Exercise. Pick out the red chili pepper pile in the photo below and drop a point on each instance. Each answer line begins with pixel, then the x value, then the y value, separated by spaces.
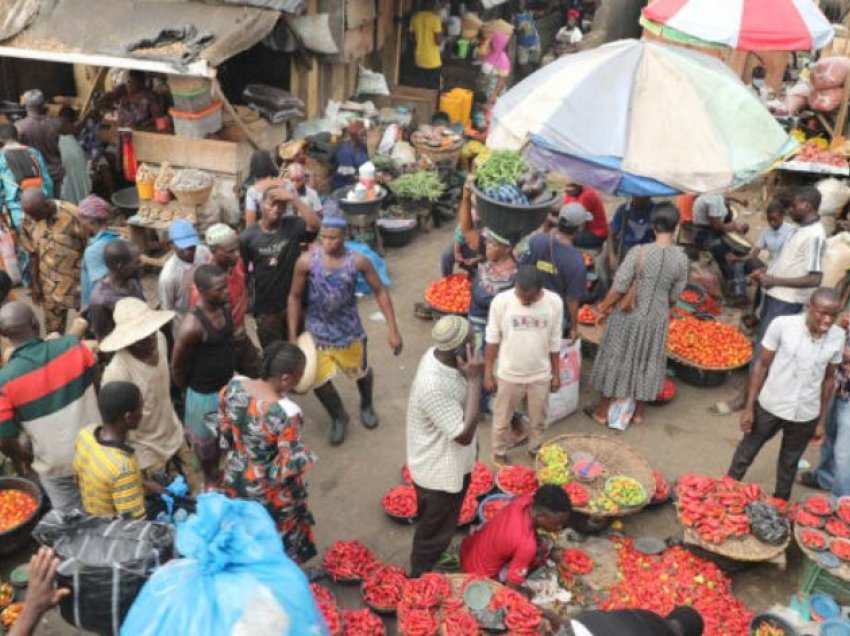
pixel 837 528
pixel 451 294
pixel 459 623
pixel 715 508
pixel 574 561
pixel 493 506
pixel 522 616
pixel 414 621
pixel 819 505
pixel 16 506
pixel 349 560
pixel 840 548
pixel 812 539
pixel 517 480
pixel 708 343
pixel 677 577
pixel 579 497
pixel 805 518
pixel 469 509
pixel 426 592
pixel 400 501
pixel 327 606
pixel 587 315
pixel 362 622
pixel 662 488
pixel 481 481
pixel 382 588
pixel 668 391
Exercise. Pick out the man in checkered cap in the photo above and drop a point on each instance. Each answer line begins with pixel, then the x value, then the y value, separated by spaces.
pixel 442 441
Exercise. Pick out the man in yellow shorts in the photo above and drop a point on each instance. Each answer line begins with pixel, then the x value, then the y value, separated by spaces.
pixel 328 276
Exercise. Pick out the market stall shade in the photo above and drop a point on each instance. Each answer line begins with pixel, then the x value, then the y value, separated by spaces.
pixel 641 118
pixel 749 25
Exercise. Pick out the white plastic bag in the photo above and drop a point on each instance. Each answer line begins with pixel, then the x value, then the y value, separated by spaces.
pixel 565 401
pixel 836 259
pixel 371 83
pixel 620 413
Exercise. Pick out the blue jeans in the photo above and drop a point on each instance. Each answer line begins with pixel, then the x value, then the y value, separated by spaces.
pixel 833 471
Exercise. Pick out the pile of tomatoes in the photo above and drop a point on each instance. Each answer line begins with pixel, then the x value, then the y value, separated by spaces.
pixel 818 512
pixel 482 480
pixel 450 295
pixel 587 315
pixel 677 577
pixel 575 562
pixel 708 343
pixel 716 508
pixel 517 480
pixel 469 509
pixel 579 497
pixel 491 508
pixel 16 506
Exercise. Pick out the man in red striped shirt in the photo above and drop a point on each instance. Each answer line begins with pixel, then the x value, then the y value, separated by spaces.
pixel 46 389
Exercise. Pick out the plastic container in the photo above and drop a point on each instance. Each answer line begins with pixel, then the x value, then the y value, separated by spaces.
pixel 197 125
pixel 513 221
pixel 145 189
pixel 817 579
pixel 775 620
pixel 18 536
pixel 823 607
pixel 462 48
pixel 835 627
pixel 194 101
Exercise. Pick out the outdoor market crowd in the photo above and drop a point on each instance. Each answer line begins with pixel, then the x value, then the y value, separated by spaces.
pixel 136 391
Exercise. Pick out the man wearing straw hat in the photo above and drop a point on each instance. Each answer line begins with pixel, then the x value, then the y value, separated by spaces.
pixel 442 442
pixel 141 357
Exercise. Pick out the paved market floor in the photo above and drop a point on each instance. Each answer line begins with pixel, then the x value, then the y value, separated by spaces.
pixel 347 482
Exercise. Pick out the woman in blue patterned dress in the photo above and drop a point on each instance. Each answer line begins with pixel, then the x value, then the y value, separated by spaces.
pixel 265 457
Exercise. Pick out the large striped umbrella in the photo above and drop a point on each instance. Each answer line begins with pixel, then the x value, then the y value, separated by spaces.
pixel 641 118
pixel 749 25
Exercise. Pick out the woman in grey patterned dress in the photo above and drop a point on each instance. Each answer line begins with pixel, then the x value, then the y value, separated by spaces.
pixel 632 357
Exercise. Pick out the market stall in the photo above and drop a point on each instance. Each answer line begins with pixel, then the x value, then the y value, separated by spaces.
pixel 822 530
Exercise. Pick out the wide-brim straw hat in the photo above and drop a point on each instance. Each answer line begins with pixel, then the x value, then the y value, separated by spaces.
pixel 306 343
pixel 134 321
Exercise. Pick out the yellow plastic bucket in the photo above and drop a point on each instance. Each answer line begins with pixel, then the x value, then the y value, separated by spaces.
pixel 145 189
pixel 457 104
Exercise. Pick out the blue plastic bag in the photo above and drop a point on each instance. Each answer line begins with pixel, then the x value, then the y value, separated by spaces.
pixel 235 580
pixel 378 262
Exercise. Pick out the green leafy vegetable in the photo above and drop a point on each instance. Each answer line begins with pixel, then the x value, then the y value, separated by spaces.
pixel 418 185
pixel 502 167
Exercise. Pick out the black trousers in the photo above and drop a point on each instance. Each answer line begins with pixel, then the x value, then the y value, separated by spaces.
pixel 795 438
pixel 438 516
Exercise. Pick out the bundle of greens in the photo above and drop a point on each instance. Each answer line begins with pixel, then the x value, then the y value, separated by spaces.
pixel 502 167
pixel 417 186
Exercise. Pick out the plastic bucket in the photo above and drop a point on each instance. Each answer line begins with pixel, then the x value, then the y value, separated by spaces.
pixel 145 189
pixel 462 48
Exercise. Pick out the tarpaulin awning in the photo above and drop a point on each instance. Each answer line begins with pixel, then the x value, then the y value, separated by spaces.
pixel 188 38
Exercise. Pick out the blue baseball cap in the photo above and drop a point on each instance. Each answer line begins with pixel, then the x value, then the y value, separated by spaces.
pixel 183 234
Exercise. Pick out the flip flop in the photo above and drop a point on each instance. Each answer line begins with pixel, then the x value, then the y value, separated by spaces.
pixel 422 311
pixel 591 413
pixel 720 409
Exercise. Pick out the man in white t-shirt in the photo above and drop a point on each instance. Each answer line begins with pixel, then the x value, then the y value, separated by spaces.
pixel 524 331
pixel 798 270
pixel 790 387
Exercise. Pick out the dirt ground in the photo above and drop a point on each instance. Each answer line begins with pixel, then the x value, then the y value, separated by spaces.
pixel 347 482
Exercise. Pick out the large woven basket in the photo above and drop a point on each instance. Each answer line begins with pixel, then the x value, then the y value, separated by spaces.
pixel 193 197
pixel 842 571
pixel 449 155
pixel 747 549
pixel 617 458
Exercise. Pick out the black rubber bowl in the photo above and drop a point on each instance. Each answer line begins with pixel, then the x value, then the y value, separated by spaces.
pixel 514 221
pixel 358 208
pixel 18 536
pixel 397 234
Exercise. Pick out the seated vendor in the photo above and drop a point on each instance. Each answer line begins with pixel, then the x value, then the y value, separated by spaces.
pixel 137 107
pixel 712 220
pixel 350 155
pixel 507 548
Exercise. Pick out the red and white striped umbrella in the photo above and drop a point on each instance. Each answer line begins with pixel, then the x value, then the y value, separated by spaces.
pixel 750 25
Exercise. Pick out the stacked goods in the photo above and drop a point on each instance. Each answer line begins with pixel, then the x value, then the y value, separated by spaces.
pixel 677 577
pixel 708 344
pixel 827 78
pixel 721 509
pixel 813 151
pixel 450 295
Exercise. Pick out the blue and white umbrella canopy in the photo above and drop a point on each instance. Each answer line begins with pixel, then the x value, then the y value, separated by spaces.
pixel 641 118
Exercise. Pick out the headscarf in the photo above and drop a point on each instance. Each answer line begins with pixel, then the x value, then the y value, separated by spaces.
pixel 450 332
pixel 497 58
pixel 335 222
pixel 93 207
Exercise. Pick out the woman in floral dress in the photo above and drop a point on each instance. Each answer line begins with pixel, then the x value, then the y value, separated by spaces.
pixel 266 458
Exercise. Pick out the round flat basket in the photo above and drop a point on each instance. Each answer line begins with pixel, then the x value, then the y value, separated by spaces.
pixel 457 582
pixel 617 457
pixel 448 155
pixel 842 571
pixel 193 197
pixel 747 549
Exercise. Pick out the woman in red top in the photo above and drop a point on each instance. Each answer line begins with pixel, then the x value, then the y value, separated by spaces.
pixel 594 235
pixel 506 546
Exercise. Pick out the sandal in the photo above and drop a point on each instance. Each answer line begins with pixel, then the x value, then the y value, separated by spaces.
pixel 591 413
pixel 422 311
